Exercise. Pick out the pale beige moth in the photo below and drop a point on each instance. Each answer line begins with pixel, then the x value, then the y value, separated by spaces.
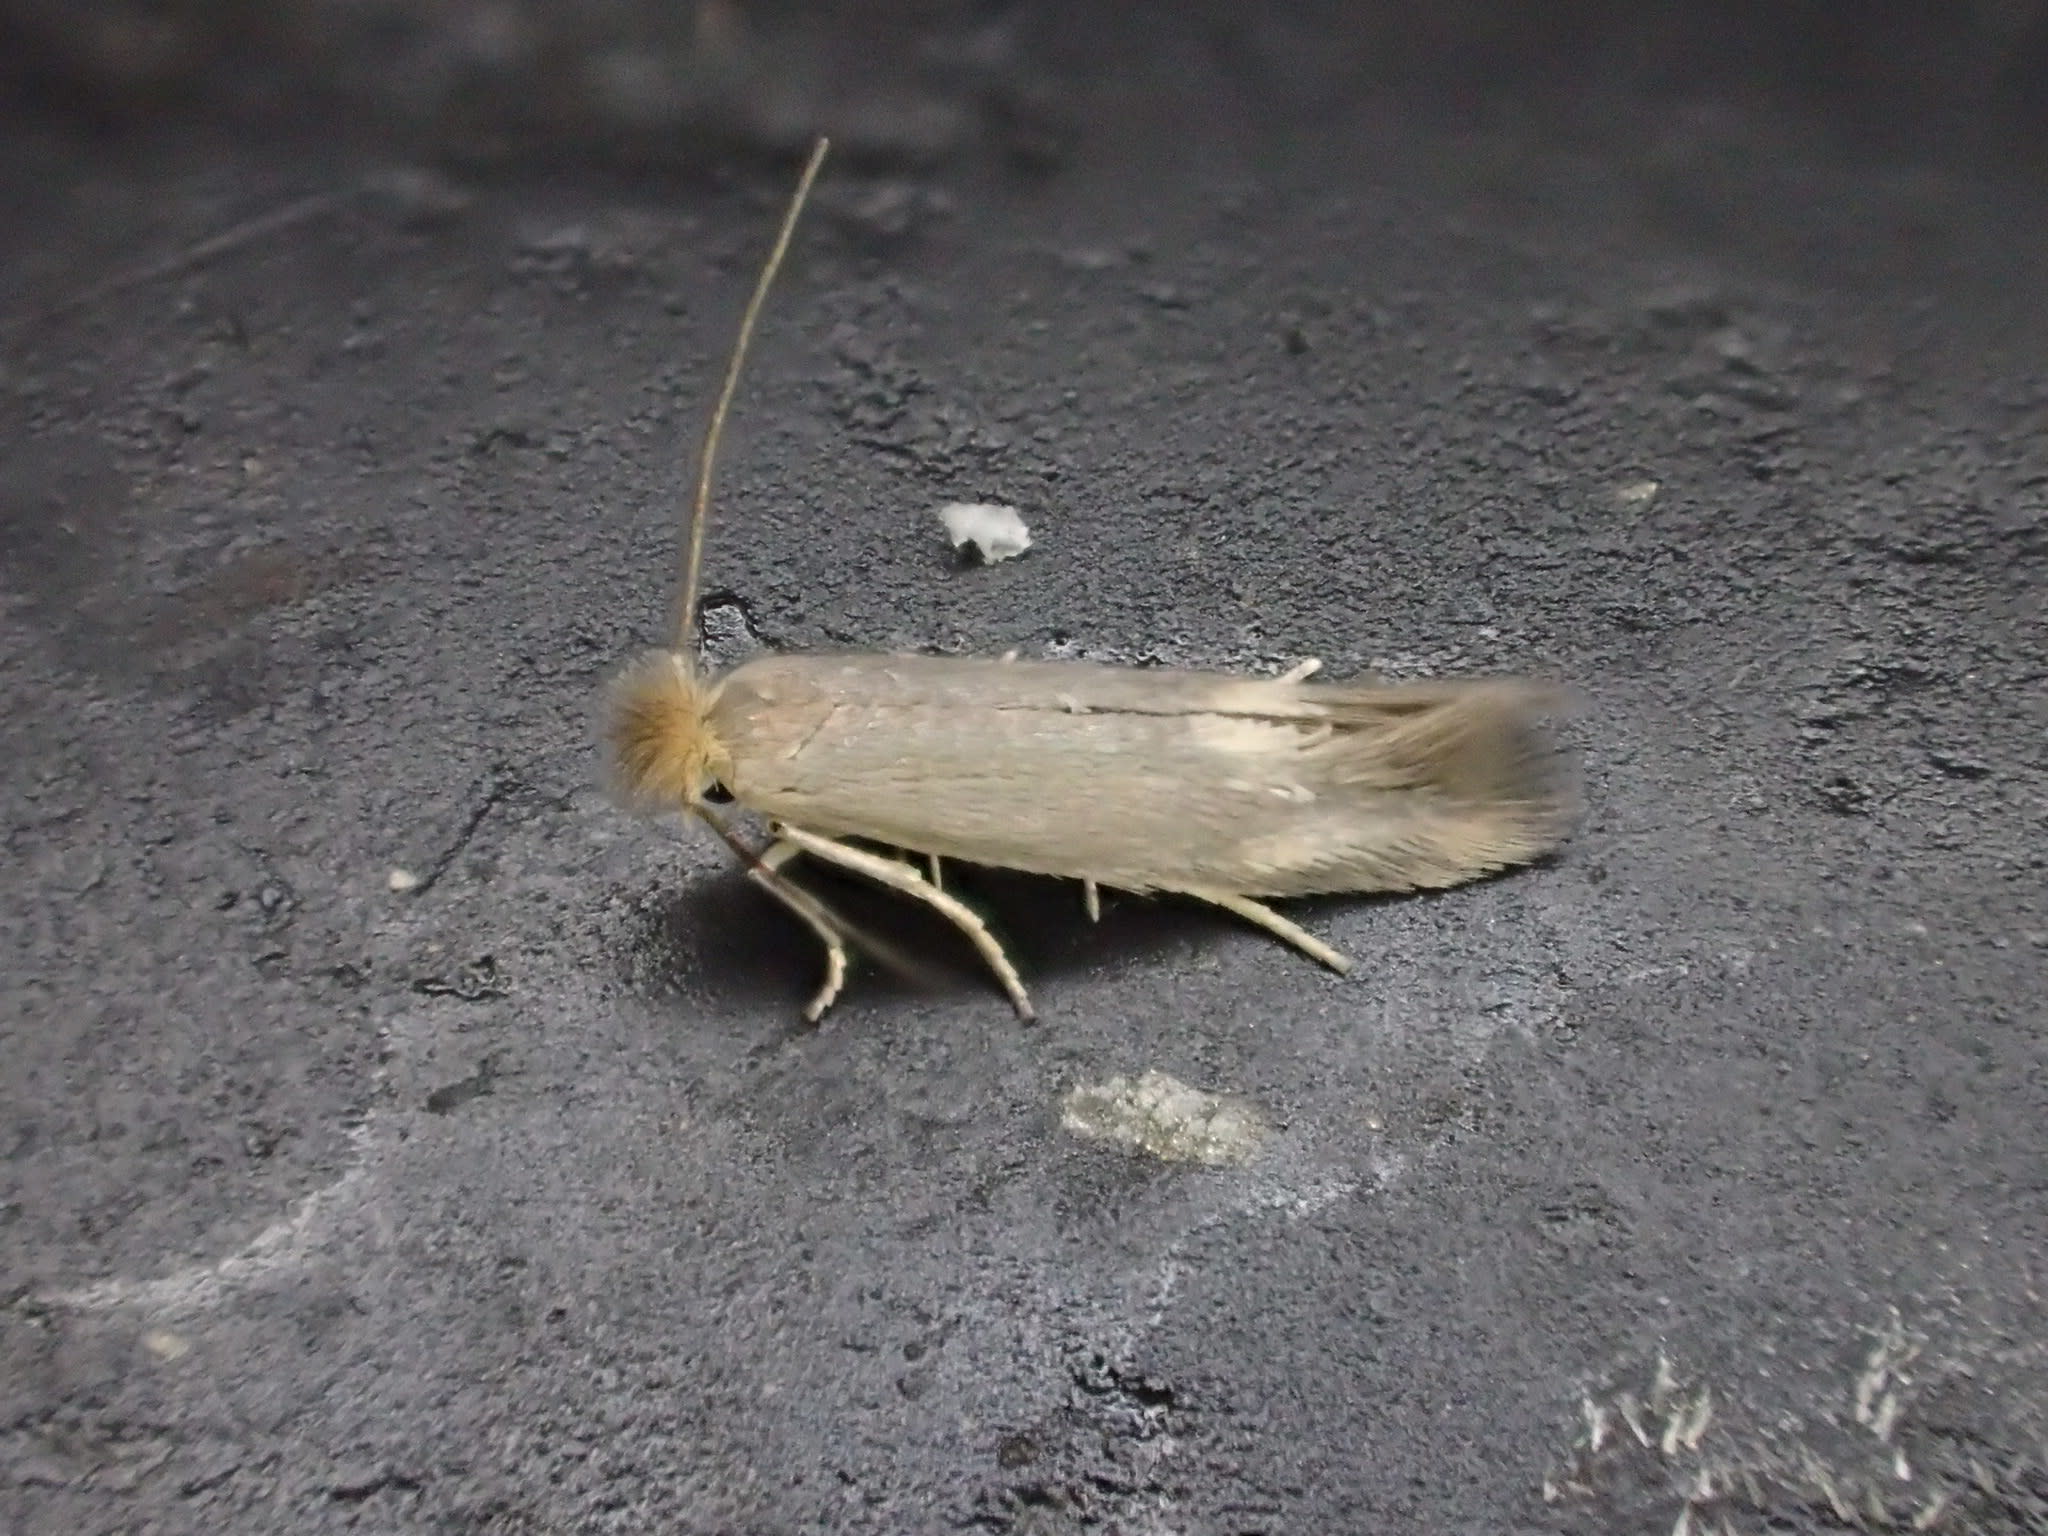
pixel 1221 787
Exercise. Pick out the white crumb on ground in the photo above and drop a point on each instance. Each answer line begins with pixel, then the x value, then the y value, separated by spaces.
pixel 997 532
pixel 166 1345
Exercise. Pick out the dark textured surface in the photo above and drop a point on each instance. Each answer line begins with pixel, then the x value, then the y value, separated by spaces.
pixel 517 1203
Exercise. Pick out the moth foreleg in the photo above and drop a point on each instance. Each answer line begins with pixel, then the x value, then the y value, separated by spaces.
pixel 1257 912
pixel 905 878
pixel 766 874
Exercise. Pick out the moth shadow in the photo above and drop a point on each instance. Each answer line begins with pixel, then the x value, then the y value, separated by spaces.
pixel 725 937
pixel 734 938
pixel 731 937
pixel 1044 925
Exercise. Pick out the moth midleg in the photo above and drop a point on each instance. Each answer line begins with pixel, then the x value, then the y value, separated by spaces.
pixel 905 878
pixel 1091 900
pixel 1257 912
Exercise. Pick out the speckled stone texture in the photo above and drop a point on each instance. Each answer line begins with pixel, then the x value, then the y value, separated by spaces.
pixel 515 1199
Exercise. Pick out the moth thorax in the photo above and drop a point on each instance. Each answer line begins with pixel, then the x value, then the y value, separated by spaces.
pixel 664 751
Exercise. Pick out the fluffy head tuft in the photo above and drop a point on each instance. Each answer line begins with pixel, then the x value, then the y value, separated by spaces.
pixel 664 754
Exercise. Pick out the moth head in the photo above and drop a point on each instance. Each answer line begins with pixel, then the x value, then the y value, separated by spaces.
pixel 665 755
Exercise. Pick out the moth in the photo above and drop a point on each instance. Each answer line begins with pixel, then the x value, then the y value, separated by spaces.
pixel 1224 788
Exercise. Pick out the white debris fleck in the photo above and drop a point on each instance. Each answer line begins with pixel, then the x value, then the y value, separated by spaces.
pixel 1160 1114
pixel 997 532
pixel 1636 493
pixel 166 1345
pixel 402 880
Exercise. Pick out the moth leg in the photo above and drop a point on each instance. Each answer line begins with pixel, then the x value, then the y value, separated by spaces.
pixel 765 873
pixel 1302 670
pixel 1091 900
pixel 1257 912
pixel 905 878
pixel 938 881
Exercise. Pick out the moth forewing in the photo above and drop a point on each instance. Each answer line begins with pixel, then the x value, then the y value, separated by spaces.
pixel 1147 780
pixel 1220 787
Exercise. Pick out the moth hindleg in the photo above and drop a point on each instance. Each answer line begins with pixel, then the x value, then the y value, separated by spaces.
pixel 1258 912
pixel 905 878
pixel 765 873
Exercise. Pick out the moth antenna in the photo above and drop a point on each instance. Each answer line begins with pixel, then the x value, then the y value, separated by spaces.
pixel 700 504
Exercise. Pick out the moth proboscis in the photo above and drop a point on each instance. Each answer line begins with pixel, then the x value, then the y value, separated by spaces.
pixel 1225 788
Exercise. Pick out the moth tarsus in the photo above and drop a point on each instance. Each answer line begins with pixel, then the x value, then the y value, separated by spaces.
pixel 1222 788
pixel 816 916
pixel 1280 927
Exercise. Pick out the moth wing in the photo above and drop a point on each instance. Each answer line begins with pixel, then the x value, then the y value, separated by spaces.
pixel 1145 780
pixel 1428 785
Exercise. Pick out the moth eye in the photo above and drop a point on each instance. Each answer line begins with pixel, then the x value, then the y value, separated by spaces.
pixel 717 793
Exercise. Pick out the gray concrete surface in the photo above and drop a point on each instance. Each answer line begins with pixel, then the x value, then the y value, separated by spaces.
pixel 519 1202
